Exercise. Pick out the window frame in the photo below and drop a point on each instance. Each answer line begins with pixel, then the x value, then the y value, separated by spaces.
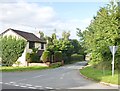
pixel 42 46
pixel 31 44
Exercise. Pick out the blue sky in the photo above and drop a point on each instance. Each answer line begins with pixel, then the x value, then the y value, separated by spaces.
pixel 47 16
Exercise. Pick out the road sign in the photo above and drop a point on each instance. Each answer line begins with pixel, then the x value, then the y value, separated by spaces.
pixel 113 50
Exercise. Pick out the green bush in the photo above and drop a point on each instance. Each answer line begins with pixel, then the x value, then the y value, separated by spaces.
pixel 32 58
pixel 103 65
pixel 35 58
pixel 77 57
pixel 55 65
pixel 28 57
pixel 46 56
pixel 57 56
pixel 11 49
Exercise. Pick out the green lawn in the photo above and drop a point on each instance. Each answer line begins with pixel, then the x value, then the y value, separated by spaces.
pixel 13 69
pixel 29 68
pixel 100 75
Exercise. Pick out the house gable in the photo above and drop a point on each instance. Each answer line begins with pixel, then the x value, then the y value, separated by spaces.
pixel 13 34
pixel 25 35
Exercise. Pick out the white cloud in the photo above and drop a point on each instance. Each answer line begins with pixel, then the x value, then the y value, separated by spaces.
pixel 26 13
pixel 32 17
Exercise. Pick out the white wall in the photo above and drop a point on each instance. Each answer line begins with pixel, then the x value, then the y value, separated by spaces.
pixel 38 45
pixel 22 59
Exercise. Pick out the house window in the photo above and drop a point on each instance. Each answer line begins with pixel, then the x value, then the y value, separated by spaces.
pixel 31 45
pixel 42 46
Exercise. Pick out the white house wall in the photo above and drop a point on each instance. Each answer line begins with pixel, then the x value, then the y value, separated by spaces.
pixel 27 48
pixel 22 59
pixel 38 45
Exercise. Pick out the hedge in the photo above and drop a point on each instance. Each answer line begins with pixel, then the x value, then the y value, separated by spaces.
pixel 57 56
pixel 45 56
pixel 77 57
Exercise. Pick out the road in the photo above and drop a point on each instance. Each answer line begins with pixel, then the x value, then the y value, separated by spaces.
pixel 65 77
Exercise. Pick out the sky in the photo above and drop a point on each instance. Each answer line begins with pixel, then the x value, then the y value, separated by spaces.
pixel 48 16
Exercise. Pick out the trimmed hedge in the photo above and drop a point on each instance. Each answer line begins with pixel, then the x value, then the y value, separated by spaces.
pixel 32 58
pixel 77 57
pixel 57 56
pixel 46 56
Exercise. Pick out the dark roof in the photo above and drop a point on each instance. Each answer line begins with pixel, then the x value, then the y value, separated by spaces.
pixel 26 35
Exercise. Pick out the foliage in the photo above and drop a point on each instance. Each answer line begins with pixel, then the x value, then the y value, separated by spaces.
pixel 66 35
pixel 100 75
pixel 46 56
pixel 102 33
pixel 33 57
pixel 76 57
pixel 77 47
pixel 28 57
pixel 64 45
pixel 57 56
pixel 55 65
pixel 11 49
pixel 19 69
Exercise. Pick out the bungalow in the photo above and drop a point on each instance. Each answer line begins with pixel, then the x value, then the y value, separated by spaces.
pixel 32 42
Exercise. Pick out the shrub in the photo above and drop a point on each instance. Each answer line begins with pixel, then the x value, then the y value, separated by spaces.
pixel 57 56
pixel 77 57
pixel 46 56
pixel 28 57
pixel 35 58
pixel 11 49
pixel 55 65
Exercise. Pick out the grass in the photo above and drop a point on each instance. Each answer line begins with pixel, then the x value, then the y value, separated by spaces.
pixel 29 68
pixel 100 75
pixel 14 69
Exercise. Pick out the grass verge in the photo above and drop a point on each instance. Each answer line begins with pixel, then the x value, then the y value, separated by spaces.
pixel 14 69
pixel 29 68
pixel 100 75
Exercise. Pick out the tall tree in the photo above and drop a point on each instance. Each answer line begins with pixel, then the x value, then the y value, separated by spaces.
pixel 102 32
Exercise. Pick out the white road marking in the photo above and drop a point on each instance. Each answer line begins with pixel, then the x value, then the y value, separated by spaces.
pixel 32 87
pixel 16 85
pixel 1 82
pixel 23 86
pixel 48 88
pixel 38 86
pixel 12 82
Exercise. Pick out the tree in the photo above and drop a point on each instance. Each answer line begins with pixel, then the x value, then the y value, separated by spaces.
pixel 102 32
pixel 64 45
pixel 41 34
pixel 11 49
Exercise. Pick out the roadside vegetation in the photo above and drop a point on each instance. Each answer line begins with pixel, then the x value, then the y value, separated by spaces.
pixel 11 49
pixel 100 75
pixel 28 68
pixel 20 69
pixel 103 31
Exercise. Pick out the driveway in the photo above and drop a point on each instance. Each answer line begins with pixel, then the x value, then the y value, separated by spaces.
pixel 65 77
